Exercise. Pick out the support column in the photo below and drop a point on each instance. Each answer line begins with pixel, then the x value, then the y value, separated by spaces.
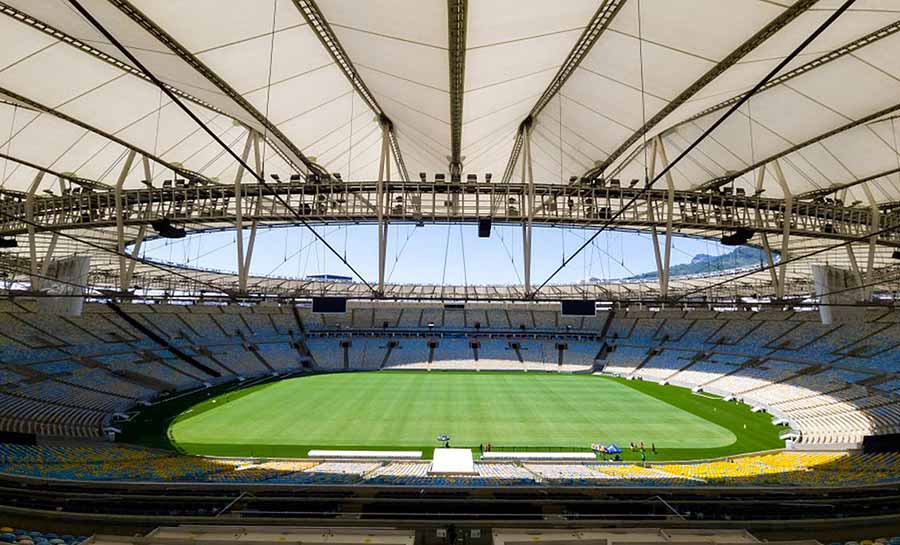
pixel 651 215
pixel 760 179
pixel 135 252
pixel 770 261
pixel 670 213
pixel 48 255
pixel 142 232
pixel 876 223
pixel 120 217
pixel 854 264
pixel 384 174
pixel 148 173
pixel 32 238
pixel 251 241
pixel 239 210
pixel 528 209
pixel 785 230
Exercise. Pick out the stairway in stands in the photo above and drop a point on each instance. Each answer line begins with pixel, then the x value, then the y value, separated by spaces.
pixel 387 354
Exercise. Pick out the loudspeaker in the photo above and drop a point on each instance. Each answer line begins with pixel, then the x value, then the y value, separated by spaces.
pixel 484 228
pixel 165 229
pixel 741 236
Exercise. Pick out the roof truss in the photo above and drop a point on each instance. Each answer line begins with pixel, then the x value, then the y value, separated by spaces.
pixel 280 141
pixel 319 25
pixel 456 20
pixel 788 15
pixel 598 24
pixel 27 102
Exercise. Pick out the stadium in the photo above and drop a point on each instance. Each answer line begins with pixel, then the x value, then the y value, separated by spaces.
pixel 482 272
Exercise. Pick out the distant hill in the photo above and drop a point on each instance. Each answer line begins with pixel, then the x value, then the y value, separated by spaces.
pixel 742 256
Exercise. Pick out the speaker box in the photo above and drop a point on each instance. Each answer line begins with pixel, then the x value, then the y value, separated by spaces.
pixel 484 228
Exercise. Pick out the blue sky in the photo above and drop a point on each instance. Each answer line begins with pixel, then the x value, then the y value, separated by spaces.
pixel 417 254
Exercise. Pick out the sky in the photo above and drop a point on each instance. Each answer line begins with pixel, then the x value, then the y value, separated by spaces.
pixel 433 254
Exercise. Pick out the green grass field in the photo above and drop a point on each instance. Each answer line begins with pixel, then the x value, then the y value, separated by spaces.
pixel 407 410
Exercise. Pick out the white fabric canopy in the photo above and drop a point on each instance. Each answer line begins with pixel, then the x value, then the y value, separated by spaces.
pixel 260 65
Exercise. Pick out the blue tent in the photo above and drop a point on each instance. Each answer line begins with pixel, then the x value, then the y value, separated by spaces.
pixel 612 449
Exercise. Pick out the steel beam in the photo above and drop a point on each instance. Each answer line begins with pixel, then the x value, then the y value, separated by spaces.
pixel 528 204
pixel 135 252
pixel 654 235
pixel 592 32
pixel 876 225
pixel 384 174
pixel 279 140
pixel 725 180
pixel 820 61
pixel 32 242
pixel 670 211
pixel 845 186
pixel 787 218
pixel 457 24
pixel 854 265
pixel 785 18
pixel 355 202
pixel 239 210
pixel 120 213
pixel 39 168
pixel 770 261
pixel 37 24
pixel 773 272
pixel 254 223
pixel 323 31
pixel 48 254
pixel 205 127
pixel 69 119
pixel 125 282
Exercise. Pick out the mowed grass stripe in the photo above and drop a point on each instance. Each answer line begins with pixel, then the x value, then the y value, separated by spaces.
pixel 394 409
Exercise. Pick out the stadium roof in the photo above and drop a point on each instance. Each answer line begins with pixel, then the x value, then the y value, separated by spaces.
pixel 73 102
pixel 455 85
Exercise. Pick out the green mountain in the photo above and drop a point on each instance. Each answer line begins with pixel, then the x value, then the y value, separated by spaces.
pixel 742 256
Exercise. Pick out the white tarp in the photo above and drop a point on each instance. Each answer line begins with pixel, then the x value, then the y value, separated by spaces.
pixel 70 275
pixel 838 289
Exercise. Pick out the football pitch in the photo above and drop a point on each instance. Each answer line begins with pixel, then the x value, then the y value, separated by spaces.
pixel 408 410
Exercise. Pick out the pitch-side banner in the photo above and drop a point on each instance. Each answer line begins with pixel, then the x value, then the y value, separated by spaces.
pixel 65 278
pixel 838 289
